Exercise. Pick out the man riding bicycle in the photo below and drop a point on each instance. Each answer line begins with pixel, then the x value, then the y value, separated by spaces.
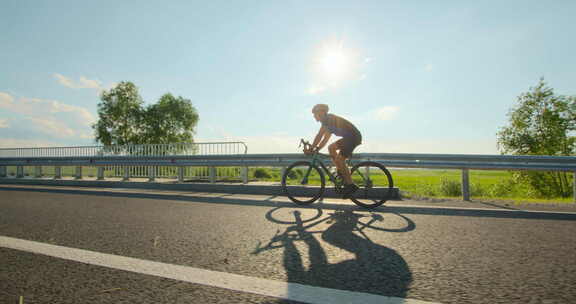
pixel 340 150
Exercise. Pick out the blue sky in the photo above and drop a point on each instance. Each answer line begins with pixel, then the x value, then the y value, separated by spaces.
pixel 413 76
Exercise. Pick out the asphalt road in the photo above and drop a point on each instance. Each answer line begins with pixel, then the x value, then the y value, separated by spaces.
pixel 413 250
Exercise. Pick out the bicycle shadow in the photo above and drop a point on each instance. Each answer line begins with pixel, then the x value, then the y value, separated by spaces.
pixel 375 268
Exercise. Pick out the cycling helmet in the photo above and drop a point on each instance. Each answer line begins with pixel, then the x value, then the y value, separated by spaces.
pixel 320 108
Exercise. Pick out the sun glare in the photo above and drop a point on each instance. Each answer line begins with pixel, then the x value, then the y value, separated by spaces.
pixel 334 62
pixel 334 65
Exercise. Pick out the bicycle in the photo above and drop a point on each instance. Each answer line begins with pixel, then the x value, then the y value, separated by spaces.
pixel 373 180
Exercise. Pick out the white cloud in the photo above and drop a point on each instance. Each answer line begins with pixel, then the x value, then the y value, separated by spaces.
pixel 4 123
pixel 387 113
pixel 6 100
pixel 50 117
pixel 64 81
pixel 84 115
pixel 86 135
pixel 41 107
pixel 52 127
pixel 82 83
pixel 429 67
pixel 89 83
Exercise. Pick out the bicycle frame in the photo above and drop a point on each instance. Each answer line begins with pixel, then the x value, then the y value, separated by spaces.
pixel 316 161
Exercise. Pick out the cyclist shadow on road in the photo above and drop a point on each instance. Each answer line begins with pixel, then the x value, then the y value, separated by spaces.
pixel 374 269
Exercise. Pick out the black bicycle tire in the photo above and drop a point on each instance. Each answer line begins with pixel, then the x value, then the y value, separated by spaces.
pixel 321 188
pixel 390 184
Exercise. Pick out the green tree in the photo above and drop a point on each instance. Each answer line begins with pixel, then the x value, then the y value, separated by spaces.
pixel 171 120
pixel 123 118
pixel 541 123
pixel 119 113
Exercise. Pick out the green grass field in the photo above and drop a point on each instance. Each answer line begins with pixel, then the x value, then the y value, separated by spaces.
pixel 497 185
pixel 429 183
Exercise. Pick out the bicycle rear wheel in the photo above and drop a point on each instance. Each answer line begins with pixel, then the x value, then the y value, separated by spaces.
pixel 303 183
pixel 374 182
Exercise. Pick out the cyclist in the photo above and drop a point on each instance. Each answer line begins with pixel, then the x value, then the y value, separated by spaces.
pixel 340 150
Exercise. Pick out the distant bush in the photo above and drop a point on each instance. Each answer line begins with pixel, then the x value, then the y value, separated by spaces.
pixel 428 189
pixel 262 173
pixel 503 189
pixel 450 187
pixel 476 189
pixel 297 173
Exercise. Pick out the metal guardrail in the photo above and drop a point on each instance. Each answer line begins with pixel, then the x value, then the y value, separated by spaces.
pixel 398 160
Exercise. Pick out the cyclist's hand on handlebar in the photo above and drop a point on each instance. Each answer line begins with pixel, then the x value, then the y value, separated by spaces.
pixel 309 150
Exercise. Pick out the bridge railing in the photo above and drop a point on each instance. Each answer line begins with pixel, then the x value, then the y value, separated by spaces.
pixel 122 170
pixel 242 162
pixel 213 148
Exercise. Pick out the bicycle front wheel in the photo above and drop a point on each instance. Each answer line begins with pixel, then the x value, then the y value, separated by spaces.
pixel 374 182
pixel 303 183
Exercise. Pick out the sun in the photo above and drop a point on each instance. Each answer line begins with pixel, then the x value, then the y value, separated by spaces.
pixel 333 64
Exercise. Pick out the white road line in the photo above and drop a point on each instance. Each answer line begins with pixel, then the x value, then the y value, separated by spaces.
pixel 277 289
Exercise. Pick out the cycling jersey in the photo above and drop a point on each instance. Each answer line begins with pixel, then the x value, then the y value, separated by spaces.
pixel 340 127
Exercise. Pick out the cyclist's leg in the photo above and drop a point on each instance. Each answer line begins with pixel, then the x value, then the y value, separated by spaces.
pixel 348 145
pixel 338 151
pixel 334 149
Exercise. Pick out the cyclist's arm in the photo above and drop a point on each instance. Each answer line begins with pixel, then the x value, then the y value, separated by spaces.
pixel 321 138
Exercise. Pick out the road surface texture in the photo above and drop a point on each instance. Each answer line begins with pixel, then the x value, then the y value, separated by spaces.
pixel 94 245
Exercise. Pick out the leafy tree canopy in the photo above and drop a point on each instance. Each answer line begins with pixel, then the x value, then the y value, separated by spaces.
pixel 123 118
pixel 541 123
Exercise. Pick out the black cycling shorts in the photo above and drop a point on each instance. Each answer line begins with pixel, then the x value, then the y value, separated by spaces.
pixel 346 145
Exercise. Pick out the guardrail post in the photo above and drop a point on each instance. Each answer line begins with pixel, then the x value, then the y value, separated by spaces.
pixel 100 173
pixel 78 173
pixel 126 174
pixel 151 173
pixel 245 175
pixel 212 174
pixel 465 185
pixel 3 171
pixel 19 172
pixel 38 171
pixel 57 172
pixel 181 174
